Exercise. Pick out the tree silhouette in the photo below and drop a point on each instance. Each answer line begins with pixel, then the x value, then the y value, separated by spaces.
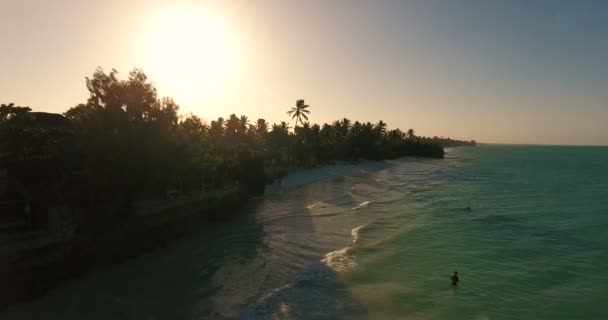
pixel 243 124
pixel 130 144
pixel 410 134
pixel 380 128
pixel 260 130
pixel 233 125
pixel 8 111
pixel 299 111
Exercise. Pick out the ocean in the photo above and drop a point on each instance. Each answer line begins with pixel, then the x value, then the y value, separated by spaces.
pixel 380 241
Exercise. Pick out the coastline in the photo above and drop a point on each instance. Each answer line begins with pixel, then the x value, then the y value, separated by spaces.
pixel 35 271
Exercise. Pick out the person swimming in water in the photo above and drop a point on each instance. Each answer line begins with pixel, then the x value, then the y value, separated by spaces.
pixel 455 279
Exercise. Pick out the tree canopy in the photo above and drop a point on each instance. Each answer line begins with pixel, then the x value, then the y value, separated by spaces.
pixel 127 143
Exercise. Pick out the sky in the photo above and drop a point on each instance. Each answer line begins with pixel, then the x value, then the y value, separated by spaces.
pixel 532 72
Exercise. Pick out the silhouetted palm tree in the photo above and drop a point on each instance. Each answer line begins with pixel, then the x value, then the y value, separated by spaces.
pixel 342 127
pixel 216 129
pixel 261 127
pixel 299 111
pixel 380 128
pixel 410 134
pixel 243 123
pixel 260 130
pixel 232 125
pixel 284 127
pixel 395 135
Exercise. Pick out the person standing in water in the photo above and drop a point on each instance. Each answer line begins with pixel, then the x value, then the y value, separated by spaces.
pixel 455 279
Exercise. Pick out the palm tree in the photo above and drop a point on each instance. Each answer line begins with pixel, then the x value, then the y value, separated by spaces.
pixel 284 127
pixel 261 126
pixel 343 127
pixel 303 132
pixel 232 125
pixel 410 134
pixel 299 111
pixel 328 133
pixel 346 123
pixel 261 129
pixel 243 123
pixel 217 127
pixel 395 135
pixel 380 128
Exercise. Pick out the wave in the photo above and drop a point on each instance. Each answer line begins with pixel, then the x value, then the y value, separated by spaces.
pixel 320 208
pixel 355 233
pixel 319 205
pixel 344 259
pixel 362 205
pixel 340 260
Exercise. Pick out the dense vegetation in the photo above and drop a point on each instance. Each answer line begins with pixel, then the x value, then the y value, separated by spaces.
pixel 125 143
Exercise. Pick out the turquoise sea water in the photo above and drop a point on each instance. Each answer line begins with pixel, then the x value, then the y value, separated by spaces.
pixel 381 244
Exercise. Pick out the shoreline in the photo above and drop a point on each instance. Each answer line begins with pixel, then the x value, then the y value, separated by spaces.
pixel 46 267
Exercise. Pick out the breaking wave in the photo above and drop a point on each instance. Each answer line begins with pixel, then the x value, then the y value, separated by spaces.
pixel 344 259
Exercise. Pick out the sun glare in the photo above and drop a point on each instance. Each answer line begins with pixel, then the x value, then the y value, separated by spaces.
pixel 191 54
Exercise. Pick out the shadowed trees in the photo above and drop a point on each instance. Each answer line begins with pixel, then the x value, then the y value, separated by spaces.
pixel 128 144
pixel 260 131
pixel 136 146
pixel 126 128
pixel 410 134
pixel 8 111
pixel 37 155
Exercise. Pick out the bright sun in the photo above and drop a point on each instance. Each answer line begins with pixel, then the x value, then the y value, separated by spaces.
pixel 191 54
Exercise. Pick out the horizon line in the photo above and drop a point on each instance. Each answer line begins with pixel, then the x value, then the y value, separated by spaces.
pixel 542 144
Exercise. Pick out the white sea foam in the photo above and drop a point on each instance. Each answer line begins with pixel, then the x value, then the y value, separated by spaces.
pixel 362 205
pixel 310 207
pixel 355 233
pixel 344 259
pixel 340 260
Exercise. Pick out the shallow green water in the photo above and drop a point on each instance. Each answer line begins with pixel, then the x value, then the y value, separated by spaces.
pixel 381 244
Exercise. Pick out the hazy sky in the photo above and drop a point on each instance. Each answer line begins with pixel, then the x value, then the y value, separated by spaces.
pixel 496 71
